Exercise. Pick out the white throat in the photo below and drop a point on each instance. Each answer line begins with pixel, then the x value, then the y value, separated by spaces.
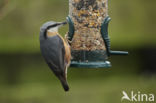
pixel 55 29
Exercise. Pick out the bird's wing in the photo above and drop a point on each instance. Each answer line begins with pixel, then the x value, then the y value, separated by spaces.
pixel 53 51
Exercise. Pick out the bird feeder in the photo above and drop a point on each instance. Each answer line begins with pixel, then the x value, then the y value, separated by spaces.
pixel 88 34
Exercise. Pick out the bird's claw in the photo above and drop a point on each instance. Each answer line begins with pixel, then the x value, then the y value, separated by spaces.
pixel 67 39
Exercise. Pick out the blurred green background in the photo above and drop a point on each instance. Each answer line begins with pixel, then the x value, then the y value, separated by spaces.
pixel 26 78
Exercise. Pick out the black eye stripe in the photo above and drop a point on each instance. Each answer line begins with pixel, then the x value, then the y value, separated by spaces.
pixel 45 32
pixel 51 26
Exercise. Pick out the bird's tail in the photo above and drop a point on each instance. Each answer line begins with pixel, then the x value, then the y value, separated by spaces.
pixel 64 83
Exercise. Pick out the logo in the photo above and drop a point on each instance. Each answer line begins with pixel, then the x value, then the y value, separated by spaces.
pixel 137 96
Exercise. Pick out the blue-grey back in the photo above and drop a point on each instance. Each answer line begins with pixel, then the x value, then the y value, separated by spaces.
pixel 53 51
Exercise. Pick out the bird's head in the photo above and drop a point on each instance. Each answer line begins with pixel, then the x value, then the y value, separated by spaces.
pixel 51 28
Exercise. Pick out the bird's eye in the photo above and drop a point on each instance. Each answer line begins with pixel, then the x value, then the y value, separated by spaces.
pixel 54 25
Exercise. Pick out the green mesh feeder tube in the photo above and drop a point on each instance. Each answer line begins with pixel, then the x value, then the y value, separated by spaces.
pixel 88 34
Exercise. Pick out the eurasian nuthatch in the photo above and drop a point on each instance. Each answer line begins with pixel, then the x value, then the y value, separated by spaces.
pixel 55 50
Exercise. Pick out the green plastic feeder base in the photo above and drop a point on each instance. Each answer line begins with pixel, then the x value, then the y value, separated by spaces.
pixel 105 64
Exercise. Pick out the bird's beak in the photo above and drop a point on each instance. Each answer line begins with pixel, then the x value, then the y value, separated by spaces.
pixel 62 23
